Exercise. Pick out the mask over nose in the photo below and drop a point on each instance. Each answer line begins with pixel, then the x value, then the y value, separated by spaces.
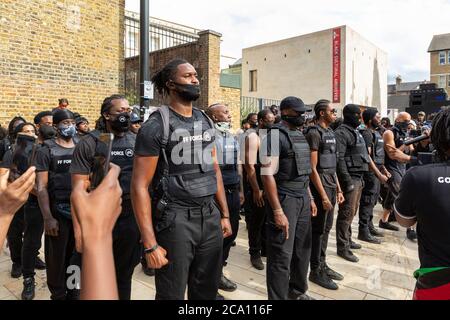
pixel 352 115
pixel 402 126
pixel 296 121
pixel 67 131
pixel 47 132
pixel 121 123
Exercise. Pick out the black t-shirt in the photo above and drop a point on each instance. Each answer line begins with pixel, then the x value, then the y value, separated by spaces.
pixel 425 196
pixel 368 137
pixel 149 142
pixel 313 138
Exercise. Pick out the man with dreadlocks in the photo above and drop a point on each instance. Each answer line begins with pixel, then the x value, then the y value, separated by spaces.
pixel 424 198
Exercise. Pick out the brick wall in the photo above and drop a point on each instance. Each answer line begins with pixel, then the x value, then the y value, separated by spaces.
pixel 52 49
pixel 232 97
pixel 436 69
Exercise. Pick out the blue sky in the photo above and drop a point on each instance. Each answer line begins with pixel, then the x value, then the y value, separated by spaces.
pixel 402 28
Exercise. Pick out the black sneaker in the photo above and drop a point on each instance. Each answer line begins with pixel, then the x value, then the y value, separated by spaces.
pixel 299 296
pixel 374 232
pixel 367 237
pixel 257 262
pixel 28 289
pixel 411 234
pixel 332 274
pixel 387 226
pixel 16 270
pixel 39 264
pixel 348 255
pixel 226 284
pixel 354 245
pixel 320 278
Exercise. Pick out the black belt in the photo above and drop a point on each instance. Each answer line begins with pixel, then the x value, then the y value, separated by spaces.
pixel 230 188
pixel 293 184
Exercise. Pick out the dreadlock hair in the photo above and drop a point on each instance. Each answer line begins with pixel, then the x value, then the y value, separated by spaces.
pixel 263 113
pixel 167 73
pixel 321 105
pixel 107 104
pixel 440 134
pixel 11 124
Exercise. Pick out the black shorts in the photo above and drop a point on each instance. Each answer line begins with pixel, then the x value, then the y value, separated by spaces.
pixel 391 196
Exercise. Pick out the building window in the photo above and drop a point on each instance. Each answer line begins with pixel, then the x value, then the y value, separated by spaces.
pixel 441 81
pixel 442 57
pixel 448 57
pixel 253 80
pixel 448 82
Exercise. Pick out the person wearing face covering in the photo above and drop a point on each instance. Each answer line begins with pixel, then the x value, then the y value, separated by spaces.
pixel 397 156
pixel 353 161
pixel 54 188
pixel 228 155
pixel 115 119
pixel 286 167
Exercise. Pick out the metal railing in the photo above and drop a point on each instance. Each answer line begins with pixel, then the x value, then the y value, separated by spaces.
pixel 163 34
pixel 254 105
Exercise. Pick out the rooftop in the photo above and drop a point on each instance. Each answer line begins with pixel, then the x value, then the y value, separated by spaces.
pixel 440 42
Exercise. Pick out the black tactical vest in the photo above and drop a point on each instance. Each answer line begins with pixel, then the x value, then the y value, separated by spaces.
pixel 378 149
pixel 227 155
pixel 59 179
pixel 399 139
pixel 327 159
pixel 122 154
pixel 186 164
pixel 297 163
pixel 356 156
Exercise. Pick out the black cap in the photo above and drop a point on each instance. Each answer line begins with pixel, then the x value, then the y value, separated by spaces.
pixel 62 114
pixel 294 103
pixel 134 118
pixel 81 120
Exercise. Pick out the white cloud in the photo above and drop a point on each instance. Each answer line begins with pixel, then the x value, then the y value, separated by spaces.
pixel 402 28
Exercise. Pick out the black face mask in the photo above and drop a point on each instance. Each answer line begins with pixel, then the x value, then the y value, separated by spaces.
pixel 353 120
pixel 121 123
pixel 296 121
pixel 47 132
pixel 402 126
pixel 188 92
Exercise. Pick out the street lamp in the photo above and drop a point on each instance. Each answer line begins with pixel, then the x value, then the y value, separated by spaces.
pixel 145 91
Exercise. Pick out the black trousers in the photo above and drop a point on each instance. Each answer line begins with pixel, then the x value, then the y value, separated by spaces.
pixel 346 213
pixel 193 239
pixel 234 204
pixel 126 249
pixel 60 253
pixel 15 236
pixel 288 260
pixel 256 219
pixel 32 235
pixel 321 227
pixel 369 198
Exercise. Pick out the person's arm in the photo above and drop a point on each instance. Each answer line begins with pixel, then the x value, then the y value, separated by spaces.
pixel 51 225
pixel 251 151
pixel 317 182
pixel 339 193
pixel 143 172
pixel 392 152
pixel 12 197
pixel 97 212
pixel 221 199
pixel 405 204
pixel 345 179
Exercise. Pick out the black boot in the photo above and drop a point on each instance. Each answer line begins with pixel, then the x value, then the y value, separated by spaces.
pixel 332 274
pixel 354 245
pixel 39 265
pixel 387 226
pixel 348 255
pixel 16 270
pixel 411 234
pixel 319 277
pixel 367 237
pixel 374 232
pixel 226 284
pixel 257 262
pixel 28 289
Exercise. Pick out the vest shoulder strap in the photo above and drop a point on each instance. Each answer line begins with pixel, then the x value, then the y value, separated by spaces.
pixel 51 144
pixel 211 123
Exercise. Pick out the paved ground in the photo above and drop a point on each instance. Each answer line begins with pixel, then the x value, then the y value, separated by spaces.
pixel 383 272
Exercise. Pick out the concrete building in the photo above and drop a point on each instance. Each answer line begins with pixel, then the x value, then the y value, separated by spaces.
pixel 336 64
pixel 439 50
pixel 399 93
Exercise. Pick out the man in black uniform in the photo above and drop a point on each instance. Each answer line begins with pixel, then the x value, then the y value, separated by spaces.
pixel 256 216
pixel 396 158
pixel 424 198
pixel 353 162
pixel 371 191
pixel 44 124
pixel 175 155
pixel 115 119
pixel 53 183
pixel 285 173
pixel 227 155
pixel 325 189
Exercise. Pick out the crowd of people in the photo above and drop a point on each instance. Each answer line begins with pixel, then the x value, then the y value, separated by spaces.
pixel 180 182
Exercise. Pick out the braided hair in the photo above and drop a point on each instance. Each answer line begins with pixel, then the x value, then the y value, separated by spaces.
pixel 167 73
pixel 440 134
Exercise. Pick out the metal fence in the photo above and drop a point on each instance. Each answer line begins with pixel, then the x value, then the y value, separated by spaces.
pixel 254 105
pixel 163 34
